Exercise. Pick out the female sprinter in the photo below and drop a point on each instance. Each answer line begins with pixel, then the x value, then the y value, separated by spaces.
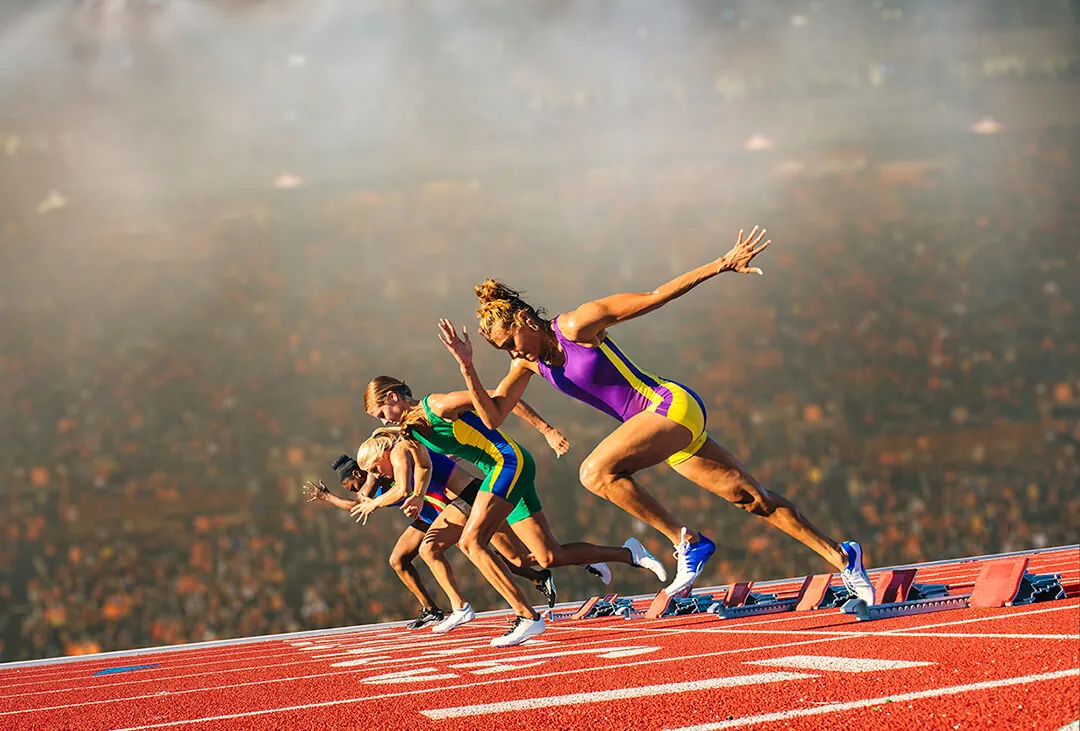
pixel 392 456
pixel 445 507
pixel 446 423
pixel 661 420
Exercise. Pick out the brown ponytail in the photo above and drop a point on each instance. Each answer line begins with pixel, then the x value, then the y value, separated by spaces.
pixel 502 307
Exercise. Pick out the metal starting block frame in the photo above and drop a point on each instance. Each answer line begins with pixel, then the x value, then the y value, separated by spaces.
pixel 1000 583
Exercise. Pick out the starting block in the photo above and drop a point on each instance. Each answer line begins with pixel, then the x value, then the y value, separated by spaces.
pixel 818 593
pixel 661 606
pixel 1000 583
pixel 592 607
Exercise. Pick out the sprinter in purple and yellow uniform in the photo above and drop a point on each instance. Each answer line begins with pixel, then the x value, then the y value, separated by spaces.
pixel 661 420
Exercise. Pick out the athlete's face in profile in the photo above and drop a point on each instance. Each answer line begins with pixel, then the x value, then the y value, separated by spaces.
pixel 383 468
pixel 354 481
pixel 520 341
pixel 391 411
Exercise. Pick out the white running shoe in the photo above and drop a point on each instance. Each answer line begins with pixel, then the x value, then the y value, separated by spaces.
pixel 854 574
pixel 690 558
pixel 456 618
pixel 523 629
pixel 601 570
pixel 644 559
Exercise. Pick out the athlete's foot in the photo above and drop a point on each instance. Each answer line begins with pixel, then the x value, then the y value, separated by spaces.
pixel 601 571
pixel 690 559
pixel 523 629
pixel 546 586
pixel 457 618
pixel 642 558
pixel 427 616
pixel 854 574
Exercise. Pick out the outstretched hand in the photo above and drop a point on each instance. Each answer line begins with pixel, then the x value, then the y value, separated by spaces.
pixel 460 347
pixel 744 251
pixel 315 492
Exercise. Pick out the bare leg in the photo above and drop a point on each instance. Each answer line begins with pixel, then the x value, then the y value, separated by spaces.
pixel 488 512
pixel 535 533
pixel 716 469
pixel 401 560
pixel 644 440
pixel 517 557
pixel 443 533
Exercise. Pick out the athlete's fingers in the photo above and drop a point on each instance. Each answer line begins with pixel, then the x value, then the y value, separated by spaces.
pixel 760 236
pixel 760 249
pixel 753 270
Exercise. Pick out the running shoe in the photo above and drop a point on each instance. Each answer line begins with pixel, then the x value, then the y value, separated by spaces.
pixel 546 586
pixel 600 570
pixel 457 618
pixel 644 559
pixel 690 559
pixel 426 617
pixel 854 575
pixel 522 629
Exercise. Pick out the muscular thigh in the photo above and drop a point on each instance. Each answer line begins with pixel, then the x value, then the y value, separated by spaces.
pixel 509 545
pixel 488 512
pixel 408 544
pixel 643 440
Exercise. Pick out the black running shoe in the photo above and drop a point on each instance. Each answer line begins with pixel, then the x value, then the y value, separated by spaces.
pixel 426 617
pixel 547 587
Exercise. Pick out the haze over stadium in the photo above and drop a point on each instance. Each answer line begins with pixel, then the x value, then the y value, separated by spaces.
pixel 221 219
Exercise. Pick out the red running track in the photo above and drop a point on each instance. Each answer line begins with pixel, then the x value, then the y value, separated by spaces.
pixel 1015 667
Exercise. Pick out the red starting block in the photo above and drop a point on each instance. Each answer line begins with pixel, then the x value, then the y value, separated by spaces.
pixel 661 601
pixel 1004 582
pixel 998 583
pixel 589 608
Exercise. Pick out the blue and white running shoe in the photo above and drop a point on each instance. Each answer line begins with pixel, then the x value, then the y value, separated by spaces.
pixel 854 575
pixel 690 559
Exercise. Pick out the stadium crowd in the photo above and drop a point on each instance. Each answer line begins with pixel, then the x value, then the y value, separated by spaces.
pixel 155 460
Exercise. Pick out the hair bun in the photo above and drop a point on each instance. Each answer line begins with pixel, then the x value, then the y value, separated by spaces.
pixel 491 289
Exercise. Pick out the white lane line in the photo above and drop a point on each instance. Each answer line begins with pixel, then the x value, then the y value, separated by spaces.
pixel 1074 726
pixel 518 678
pixel 835 664
pixel 1009 615
pixel 900 698
pixel 513 654
pixel 601 696
pixel 447 688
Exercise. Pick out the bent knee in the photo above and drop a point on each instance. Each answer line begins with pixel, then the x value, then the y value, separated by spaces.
pixel 596 476
pixel 399 562
pixel 430 551
pixel 470 543
pixel 753 499
pixel 545 559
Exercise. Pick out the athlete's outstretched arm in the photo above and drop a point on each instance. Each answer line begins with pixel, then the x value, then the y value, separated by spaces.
pixel 585 323
pixel 316 492
pixel 555 438
pixel 492 407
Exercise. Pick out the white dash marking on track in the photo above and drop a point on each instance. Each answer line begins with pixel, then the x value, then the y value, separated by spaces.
pixel 416 675
pixel 601 696
pixel 899 698
pixel 838 664
pixel 1074 726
